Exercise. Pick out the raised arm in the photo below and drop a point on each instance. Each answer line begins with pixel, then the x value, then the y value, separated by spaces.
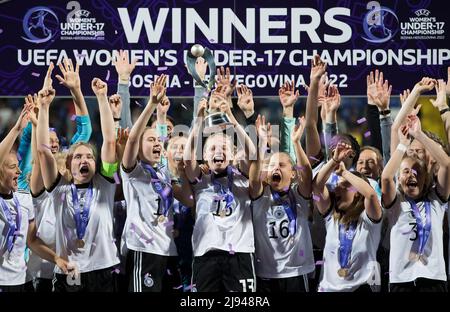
pixel 371 203
pixel 71 80
pixel 388 192
pixel 108 152
pixel 441 104
pixel 254 176
pixel 288 97
pixel 36 182
pixel 190 151
pixel 313 146
pixel 49 168
pixel 437 152
pixel 303 167
pixel 426 84
pixel 124 68
pixel 183 192
pixel 7 144
pixel 157 93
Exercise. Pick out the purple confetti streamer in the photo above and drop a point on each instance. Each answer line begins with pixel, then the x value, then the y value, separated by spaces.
pixel 296 167
pixel 367 134
pixel 107 76
pixel 313 158
pixel 182 105
pixel 169 273
pixel 19 158
pixel 316 198
pixel 73 117
pixel 166 191
pixel 162 68
pixel 138 104
pixel 163 138
pixel 231 249
pixel 414 171
pixel 320 262
pixel 352 189
pixel 361 120
pixel 168 223
pixel 116 178
pixel 301 253
pixel 117 271
pixel 35 74
pixel 178 287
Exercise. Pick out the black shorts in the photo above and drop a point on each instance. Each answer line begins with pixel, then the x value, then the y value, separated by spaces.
pixel 103 280
pixel 40 285
pixel 288 284
pixel 220 271
pixel 145 271
pixel 13 288
pixel 419 285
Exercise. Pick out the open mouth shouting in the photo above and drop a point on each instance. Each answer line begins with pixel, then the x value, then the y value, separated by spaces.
pixel 411 185
pixel 276 177
pixel 84 170
pixel 156 151
pixel 218 159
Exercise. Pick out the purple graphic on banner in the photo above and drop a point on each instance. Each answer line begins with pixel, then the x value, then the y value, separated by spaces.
pixel 265 43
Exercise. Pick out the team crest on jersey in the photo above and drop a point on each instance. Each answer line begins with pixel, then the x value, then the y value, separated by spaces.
pixel 278 212
pixel 148 280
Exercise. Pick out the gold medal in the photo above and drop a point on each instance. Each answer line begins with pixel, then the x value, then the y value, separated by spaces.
pixel 161 218
pixel 423 259
pixel 79 243
pixel 413 256
pixel 342 272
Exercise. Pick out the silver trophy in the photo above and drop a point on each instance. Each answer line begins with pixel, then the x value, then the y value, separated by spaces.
pixel 215 121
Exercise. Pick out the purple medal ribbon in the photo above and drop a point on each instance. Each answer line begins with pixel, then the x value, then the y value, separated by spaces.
pixel 289 208
pixel 14 227
pixel 81 217
pixel 423 228
pixel 226 193
pixel 345 243
pixel 163 189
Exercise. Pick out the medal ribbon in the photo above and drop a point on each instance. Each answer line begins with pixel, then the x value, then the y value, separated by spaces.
pixel 227 194
pixel 423 228
pixel 13 226
pixel 81 217
pixel 163 189
pixel 345 243
pixel 289 208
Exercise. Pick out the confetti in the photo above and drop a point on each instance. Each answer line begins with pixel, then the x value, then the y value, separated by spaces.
pixel 166 191
pixel 73 117
pixel 182 105
pixel 361 120
pixel 162 68
pixel 189 287
pixel 313 158
pixel 1 30
pixel 138 104
pixel 191 197
pixel 198 180
pixel 352 189
pixel 316 197
pixel 211 40
pixel 168 223
pixel 205 94
pixel 163 138
pixel 107 76
pixel 94 244
pixel 113 240
pixel 301 253
pixel 258 260
pixel 231 249
pixel 414 171
pixel 218 197
pixel 117 271
pixel 320 262
pixel 299 167
pixel 35 74
pixel 367 134
pixel 178 287
pixel 169 273
pixel 19 158
pixel 116 178
pixel 149 241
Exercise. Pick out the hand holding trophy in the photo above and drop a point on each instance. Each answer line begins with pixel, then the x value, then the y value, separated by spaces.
pixel 215 120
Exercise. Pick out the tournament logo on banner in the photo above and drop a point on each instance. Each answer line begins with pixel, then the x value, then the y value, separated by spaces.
pixel 264 43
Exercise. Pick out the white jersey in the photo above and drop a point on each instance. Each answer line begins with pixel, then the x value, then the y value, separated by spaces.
pixel 404 240
pixel 219 228
pixel 45 224
pixel 143 232
pixel 99 251
pixel 12 264
pixel 279 253
pixel 363 261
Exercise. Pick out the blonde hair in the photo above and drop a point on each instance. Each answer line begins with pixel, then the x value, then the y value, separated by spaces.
pixel 72 150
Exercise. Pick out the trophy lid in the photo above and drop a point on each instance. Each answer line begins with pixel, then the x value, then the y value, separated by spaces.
pixel 216 122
